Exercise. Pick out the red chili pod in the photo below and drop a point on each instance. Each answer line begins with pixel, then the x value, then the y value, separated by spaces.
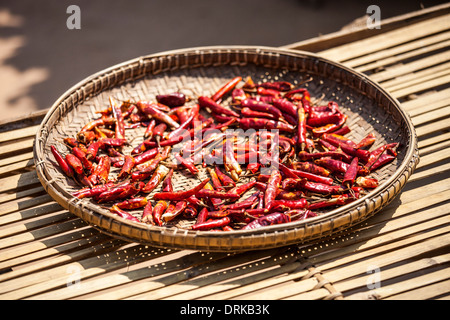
pixel 211 224
pixel 175 99
pixel 75 163
pixel 62 162
pixel 351 173
pixel 230 85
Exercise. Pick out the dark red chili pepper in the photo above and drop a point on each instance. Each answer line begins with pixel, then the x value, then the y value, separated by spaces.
pixel 276 85
pixel 286 106
pixel 351 173
pixel 243 188
pixel 206 102
pixel 182 129
pixel 245 204
pixel 296 174
pixel 212 223
pixel 260 106
pixel 267 220
pixel 331 127
pixel 230 85
pixel 172 100
pixel 384 159
pixel 152 110
pixel 158 132
pixel 323 119
pixel 180 195
pixel 202 216
pixel 93 191
pixel 92 149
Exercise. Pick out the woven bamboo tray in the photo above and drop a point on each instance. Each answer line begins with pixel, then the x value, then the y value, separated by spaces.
pixel 201 71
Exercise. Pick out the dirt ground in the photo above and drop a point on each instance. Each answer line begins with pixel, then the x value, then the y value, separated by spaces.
pixel 41 58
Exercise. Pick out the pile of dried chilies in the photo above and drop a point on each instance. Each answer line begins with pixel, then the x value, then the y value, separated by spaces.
pixel 295 164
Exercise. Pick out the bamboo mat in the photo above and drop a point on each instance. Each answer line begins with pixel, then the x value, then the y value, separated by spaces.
pixel 400 253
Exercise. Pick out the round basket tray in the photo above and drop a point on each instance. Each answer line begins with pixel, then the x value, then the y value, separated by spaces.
pixel 201 71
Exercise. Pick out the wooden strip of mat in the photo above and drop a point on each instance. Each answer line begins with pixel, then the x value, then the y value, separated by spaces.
pixel 403 286
pixel 388 39
pixel 19 133
pixel 390 52
pixel 426 292
pixel 387 274
pixel 422 86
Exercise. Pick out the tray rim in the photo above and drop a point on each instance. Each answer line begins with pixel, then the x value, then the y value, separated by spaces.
pixel 393 183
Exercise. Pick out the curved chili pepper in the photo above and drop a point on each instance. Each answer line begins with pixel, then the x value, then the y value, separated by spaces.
pixel 366 142
pixel 238 94
pixel 112 142
pixel 86 137
pixel 230 85
pixel 212 223
pixel 208 193
pixel 92 191
pixel 305 156
pixel 152 110
pixel 180 195
pixel 172 100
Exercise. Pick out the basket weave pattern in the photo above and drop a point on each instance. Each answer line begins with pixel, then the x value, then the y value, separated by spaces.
pixel 201 71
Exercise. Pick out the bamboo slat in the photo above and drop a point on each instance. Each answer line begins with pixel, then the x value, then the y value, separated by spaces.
pixel 47 253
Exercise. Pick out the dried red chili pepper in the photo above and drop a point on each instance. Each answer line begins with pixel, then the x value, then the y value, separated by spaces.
pixel 180 195
pixel 206 102
pixel 211 224
pixel 226 88
pixel 175 99
pixel 128 165
pixel 267 220
pixel 152 110
pixel 116 210
pixel 133 203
